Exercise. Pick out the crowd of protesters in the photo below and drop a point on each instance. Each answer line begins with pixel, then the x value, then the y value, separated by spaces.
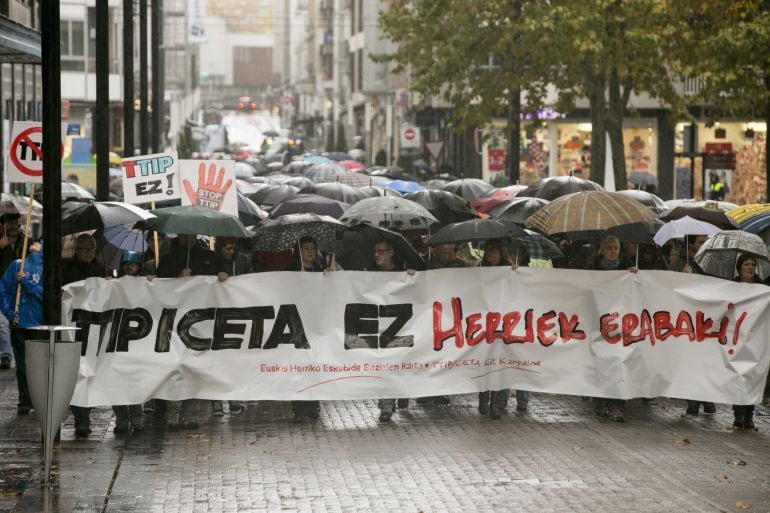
pixel 188 255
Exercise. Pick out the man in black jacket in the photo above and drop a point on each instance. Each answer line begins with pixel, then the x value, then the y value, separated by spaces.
pixel 83 265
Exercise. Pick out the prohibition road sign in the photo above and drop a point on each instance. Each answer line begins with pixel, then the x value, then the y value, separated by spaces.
pixel 26 154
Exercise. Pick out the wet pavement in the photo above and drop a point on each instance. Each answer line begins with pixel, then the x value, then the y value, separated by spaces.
pixel 556 457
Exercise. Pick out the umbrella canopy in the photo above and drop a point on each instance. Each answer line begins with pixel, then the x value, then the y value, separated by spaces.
pixel 193 220
pixel 387 212
pixel 352 165
pixel 683 227
pixel 470 188
pixel 756 224
pixel 79 217
pixel 517 210
pixel 392 172
pixel 436 184
pixel 310 203
pixel 340 192
pixel 354 247
pixel 745 212
pixel 475 230
pixel 405 187
pixel 588 210
pixel 445 206
pixel 245 187
pixel 297 167
pixel 556 186
pixel 249 212
pixel 353 179
pixel 13 204
pixel 537 246
pixel 376 192
pixel 339 156
pixel 714 216
pixel 74 192
pixel 317 159
pixel 648 199
pixel 274 194
pixel 244 170
pixel 642 178
pixel 719 205
pixel 719 254
pixel 496 197
pixel 325 172
pixel 283 233
pixel 300 182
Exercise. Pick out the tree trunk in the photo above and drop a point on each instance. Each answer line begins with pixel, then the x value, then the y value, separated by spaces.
pixel 514 137
pixel 598 105
pixel 616 113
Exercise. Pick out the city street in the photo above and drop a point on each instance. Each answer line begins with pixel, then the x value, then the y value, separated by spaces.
pixel 556 457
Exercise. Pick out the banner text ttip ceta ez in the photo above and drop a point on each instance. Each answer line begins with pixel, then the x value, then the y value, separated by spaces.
pixel 359 335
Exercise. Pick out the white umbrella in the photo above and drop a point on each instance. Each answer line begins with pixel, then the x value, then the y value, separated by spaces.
pixel 683 227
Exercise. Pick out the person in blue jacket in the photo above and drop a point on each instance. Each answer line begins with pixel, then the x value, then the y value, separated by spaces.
pixel 29 314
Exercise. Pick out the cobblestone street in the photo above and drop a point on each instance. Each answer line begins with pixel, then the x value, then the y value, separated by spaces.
pixel 556 457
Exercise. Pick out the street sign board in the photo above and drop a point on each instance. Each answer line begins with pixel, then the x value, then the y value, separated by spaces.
pixel 434 149
pixel 210 184
pixel 410 136
pixel 24 162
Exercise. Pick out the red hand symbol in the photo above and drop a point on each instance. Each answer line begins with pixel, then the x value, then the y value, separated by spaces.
pixel 211 192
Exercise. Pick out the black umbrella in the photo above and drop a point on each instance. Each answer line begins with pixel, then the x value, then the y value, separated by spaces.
pixel 647 199
pixel 470 188
pixel 283 233
pixel 392 172
pixel 374 192
pixel 517 209
pixel 310 203
pixel 338 156
pixel 274 194
pixel 340 192
pixel 446 206
pixel 249 212
pixel 300 182
pixel 642 178
pixel 297 167
pixel 79 217
pixel 556 186
pixel 436 184
pixel 354 247
pixel 476 230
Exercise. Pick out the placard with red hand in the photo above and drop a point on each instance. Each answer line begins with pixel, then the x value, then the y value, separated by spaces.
pixel 210 184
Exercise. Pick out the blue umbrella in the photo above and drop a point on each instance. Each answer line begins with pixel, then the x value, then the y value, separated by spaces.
pixel 756 224
pixel 405 187
pixel 317 159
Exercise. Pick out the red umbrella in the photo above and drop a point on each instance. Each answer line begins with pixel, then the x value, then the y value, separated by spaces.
pixel 498 196
pixel 352 165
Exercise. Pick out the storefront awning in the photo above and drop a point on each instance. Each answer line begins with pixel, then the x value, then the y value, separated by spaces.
pixel 19 43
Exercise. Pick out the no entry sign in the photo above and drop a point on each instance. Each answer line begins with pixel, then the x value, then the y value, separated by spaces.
pixel 25 153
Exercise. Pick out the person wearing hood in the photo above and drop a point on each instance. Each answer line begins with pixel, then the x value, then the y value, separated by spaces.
pixel 28 314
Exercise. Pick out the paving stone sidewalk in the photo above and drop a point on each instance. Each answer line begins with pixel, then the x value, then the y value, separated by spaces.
pixel 556 457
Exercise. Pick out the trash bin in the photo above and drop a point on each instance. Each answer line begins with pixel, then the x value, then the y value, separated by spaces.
pixel 51 400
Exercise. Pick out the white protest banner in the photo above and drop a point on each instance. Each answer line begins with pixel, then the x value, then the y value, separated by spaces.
pixel 24 162
pixel 210 184
pixel 149 178
pixel 359 335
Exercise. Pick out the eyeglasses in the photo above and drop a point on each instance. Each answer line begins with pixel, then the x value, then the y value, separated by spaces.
pixel 378 251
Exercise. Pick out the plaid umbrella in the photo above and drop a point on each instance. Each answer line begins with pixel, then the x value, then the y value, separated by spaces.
pixel 720 252
pixel 283 233
pixel 588 211
pixel 353 179
pixel 12 204
pixel 325 172
pixel 388 212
